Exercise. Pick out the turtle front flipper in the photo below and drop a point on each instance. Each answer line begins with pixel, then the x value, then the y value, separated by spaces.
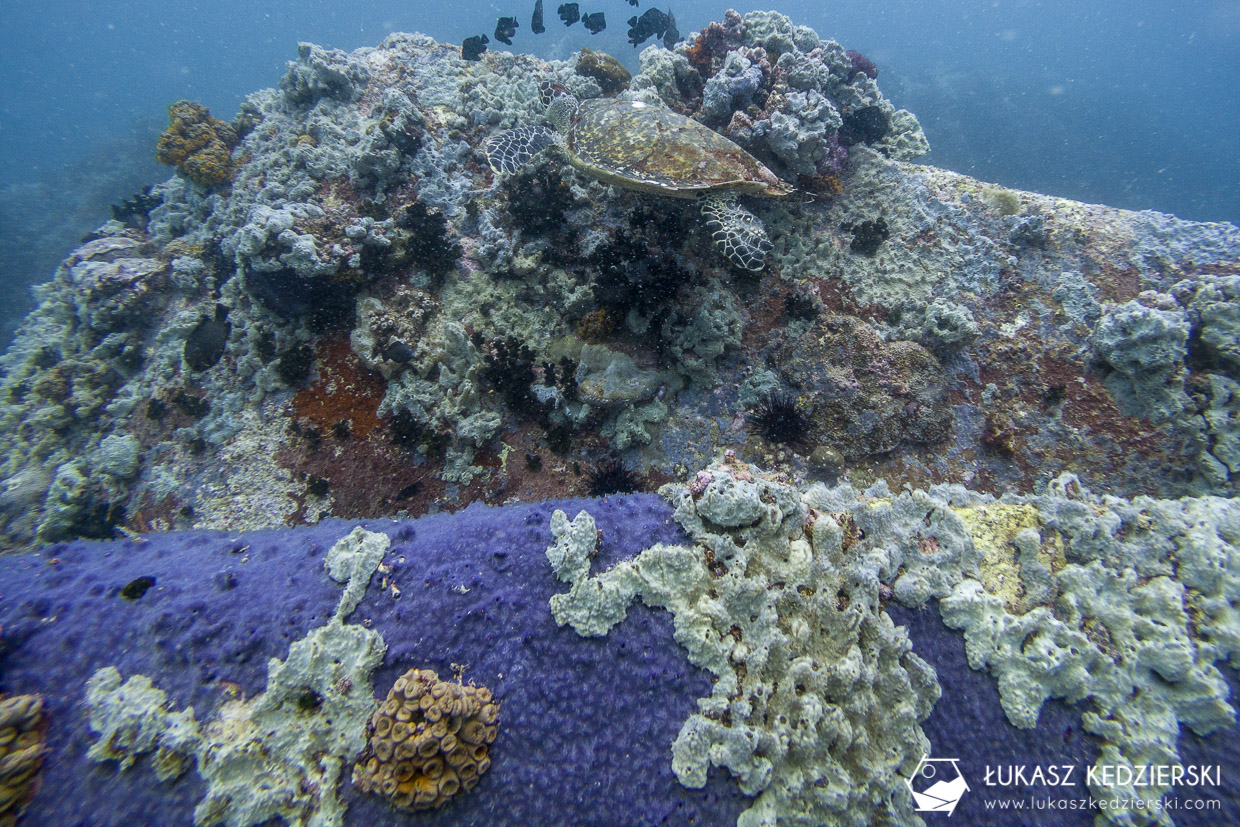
pixel 507 152
pixel 737 232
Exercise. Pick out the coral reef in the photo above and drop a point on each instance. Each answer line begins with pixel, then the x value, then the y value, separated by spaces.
pixel 23 747
pixel 1123 604
pixel 363 319
pixel 428 741
pixel 1064 595
pixel 793 100
pixel 229 608
pixel 1073 596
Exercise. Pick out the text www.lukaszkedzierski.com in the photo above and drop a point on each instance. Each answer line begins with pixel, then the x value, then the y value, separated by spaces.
pixel 1034 803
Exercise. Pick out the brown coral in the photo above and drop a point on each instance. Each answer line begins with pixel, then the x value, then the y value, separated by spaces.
pixel 707 51
pixel 610 73
pixel 22 747
pixel 197 144
pixel 429 740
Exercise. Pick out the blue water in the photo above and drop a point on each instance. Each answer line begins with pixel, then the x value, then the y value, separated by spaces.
pixel 1128 103
pixel 1131 104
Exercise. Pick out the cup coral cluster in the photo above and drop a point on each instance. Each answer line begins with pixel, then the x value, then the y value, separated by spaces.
pixel 22 748
pixel 429 740
pixel 197 144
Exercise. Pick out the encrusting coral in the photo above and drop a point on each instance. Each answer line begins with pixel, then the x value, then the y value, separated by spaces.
pixel 818 698
pixel 1126 605
pixel 197 144
pixel 428 741
pixel 281 753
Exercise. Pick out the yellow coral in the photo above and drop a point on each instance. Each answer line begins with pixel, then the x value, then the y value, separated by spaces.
pixel 994 527
pixel 210 165
pixel 1002 200
pixel 428 741
pixel 197 144
pixel 22 746
pixel 596 325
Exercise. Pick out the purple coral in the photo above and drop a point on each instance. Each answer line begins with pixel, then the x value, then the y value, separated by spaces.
pixel 837 157
pixel 861 65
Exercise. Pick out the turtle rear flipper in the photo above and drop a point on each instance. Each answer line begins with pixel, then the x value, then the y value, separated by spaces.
pixel 737 232
pixel 507 152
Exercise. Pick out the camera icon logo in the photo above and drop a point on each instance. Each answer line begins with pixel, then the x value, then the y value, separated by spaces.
pixel 937 785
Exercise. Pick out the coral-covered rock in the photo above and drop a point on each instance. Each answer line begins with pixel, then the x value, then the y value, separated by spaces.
pixel 866 396
pixel 279 754
pixel 793 100
pixel 429 740
pixel 323 73
pixel 285 739
pixel 815 687
pixel 610 73
pixel 364 214
pixel 1145 346
pixel 197 144
pixel 240 627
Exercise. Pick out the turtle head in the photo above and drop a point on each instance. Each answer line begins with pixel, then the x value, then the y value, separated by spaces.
pixel 561 104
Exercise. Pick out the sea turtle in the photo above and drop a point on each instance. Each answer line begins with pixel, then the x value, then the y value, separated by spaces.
pixel 652 149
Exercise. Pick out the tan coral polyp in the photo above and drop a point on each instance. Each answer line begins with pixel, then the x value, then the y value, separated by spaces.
pixel 473 732
pixel 428 741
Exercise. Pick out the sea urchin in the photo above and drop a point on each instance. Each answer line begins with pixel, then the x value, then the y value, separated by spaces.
pixel 612 477
pixel 780 420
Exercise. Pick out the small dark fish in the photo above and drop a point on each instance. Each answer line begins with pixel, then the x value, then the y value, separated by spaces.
pixel 672 36
pixel 505 28
pixel 594 22
pixel 536 22
pixel 568 13
pixel 473 47
pixel 633 3
pixel 399 352
pixel 652 23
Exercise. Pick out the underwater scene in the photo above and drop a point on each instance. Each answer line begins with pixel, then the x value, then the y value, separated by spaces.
pixel 645 425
